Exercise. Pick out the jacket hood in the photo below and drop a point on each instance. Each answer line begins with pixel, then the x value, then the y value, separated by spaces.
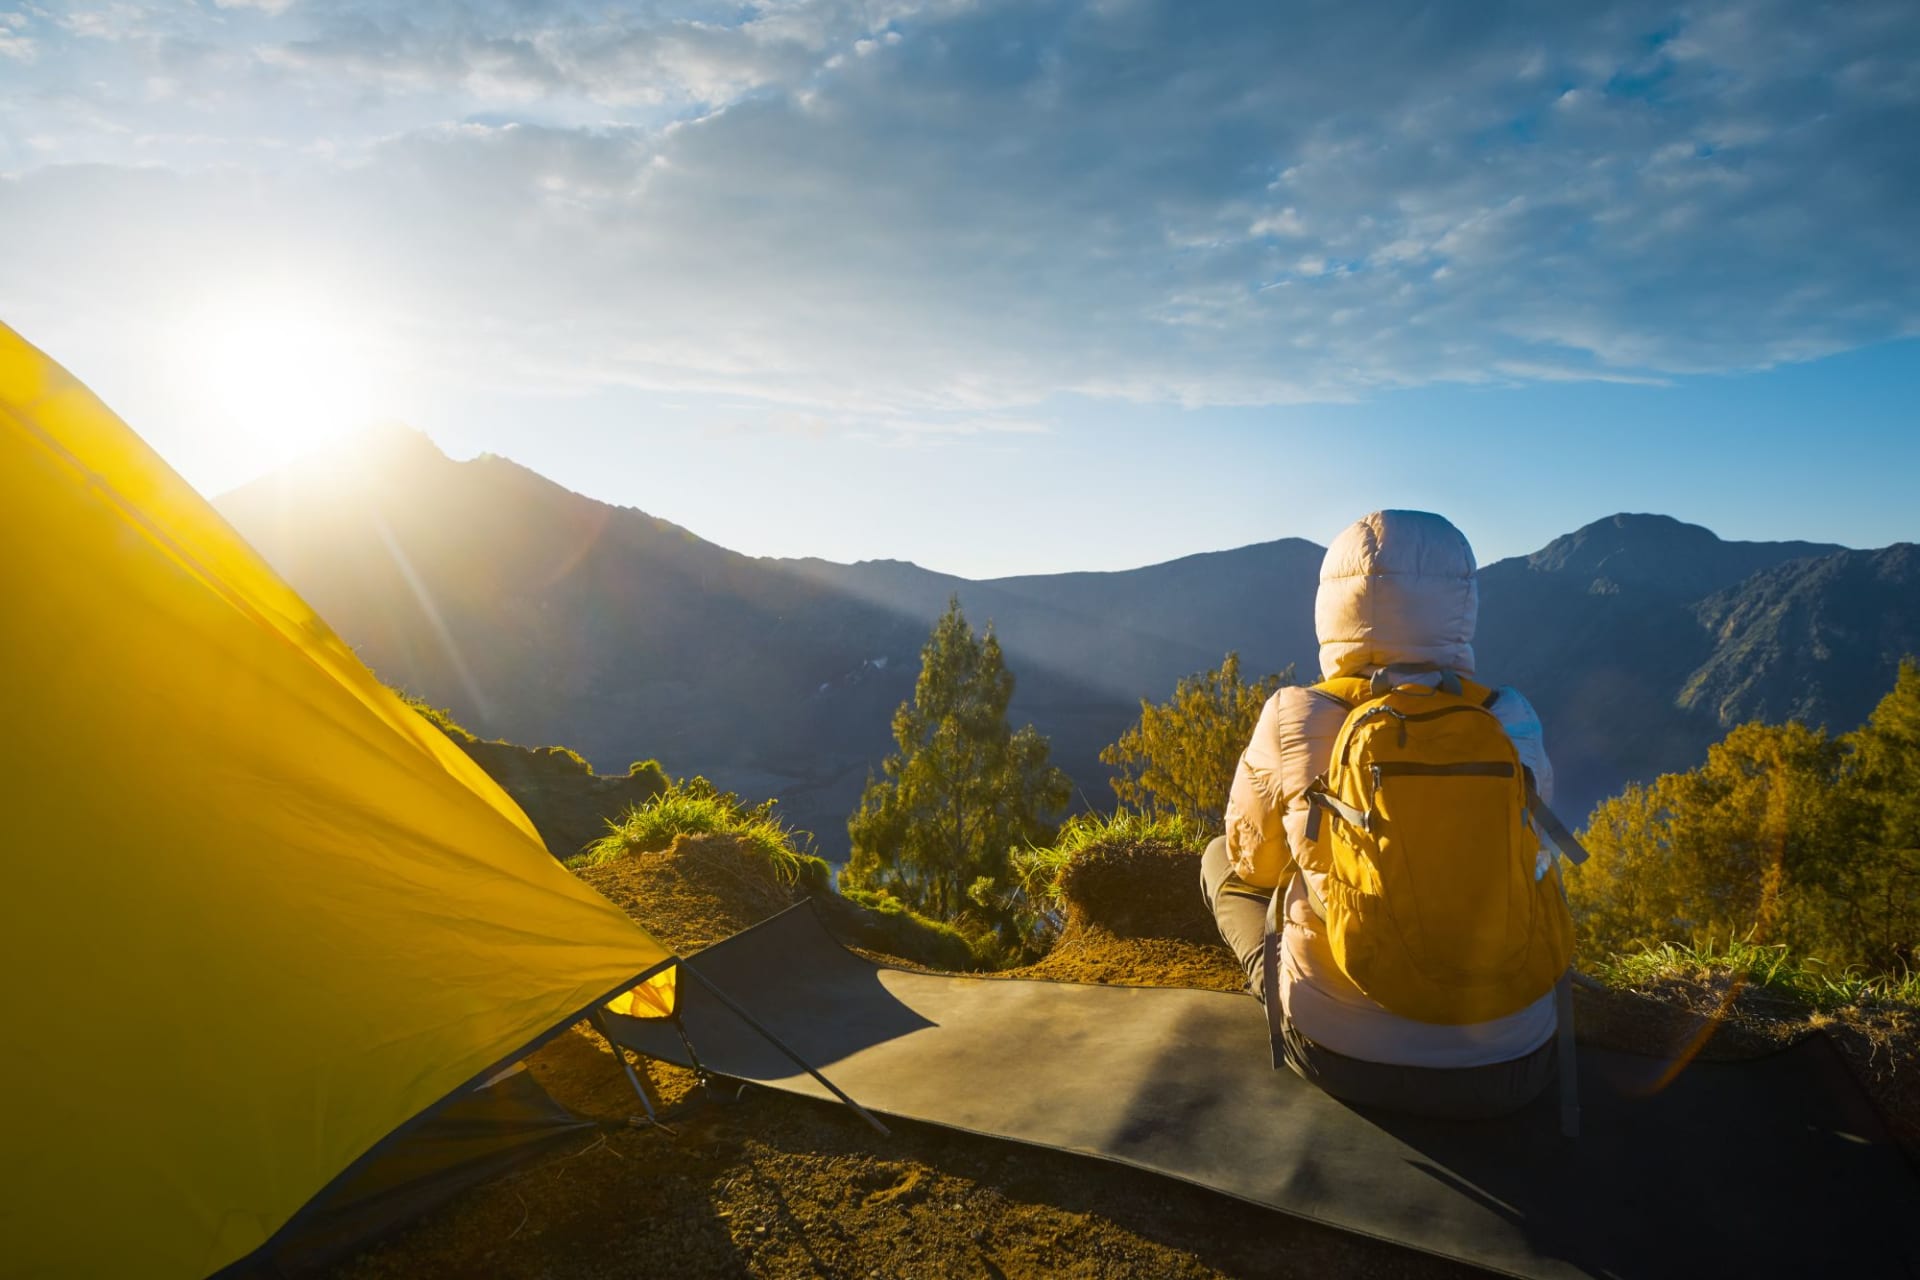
pixel 1396 586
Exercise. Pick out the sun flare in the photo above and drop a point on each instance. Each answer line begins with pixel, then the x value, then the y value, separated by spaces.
pixel 278 375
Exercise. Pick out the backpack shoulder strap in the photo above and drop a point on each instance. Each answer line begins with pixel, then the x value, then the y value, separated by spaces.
pixel 1557 831
pixel 1348 691
pixel 1270 976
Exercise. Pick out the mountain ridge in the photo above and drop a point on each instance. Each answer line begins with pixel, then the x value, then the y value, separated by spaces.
pixel 539 614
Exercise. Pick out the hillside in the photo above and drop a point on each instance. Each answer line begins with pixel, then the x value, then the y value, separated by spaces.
pixel 540 615
pixel 1793 641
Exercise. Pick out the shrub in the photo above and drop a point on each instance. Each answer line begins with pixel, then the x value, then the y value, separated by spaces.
pixel 650 772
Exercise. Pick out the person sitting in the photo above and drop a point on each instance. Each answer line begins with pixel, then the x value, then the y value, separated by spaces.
pixel 1471 1033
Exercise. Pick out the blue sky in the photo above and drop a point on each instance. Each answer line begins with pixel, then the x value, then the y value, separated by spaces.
pixel 1002 287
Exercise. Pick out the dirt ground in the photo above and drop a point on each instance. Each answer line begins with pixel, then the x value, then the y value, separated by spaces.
pixel 768 1185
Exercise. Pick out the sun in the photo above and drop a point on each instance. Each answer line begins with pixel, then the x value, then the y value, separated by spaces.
pixel 276 374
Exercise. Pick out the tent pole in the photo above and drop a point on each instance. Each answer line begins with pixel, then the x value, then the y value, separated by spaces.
pixel 693 1055
pixel 781 1045
pixel 639 1085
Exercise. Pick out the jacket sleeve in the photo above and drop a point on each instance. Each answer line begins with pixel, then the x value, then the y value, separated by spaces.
pixel 1522 724
pixel 1266 810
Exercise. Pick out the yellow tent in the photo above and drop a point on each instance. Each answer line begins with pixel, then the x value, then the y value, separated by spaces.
pixel 259 917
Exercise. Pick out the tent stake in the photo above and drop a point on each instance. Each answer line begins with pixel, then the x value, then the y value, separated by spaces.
pixel 781 1045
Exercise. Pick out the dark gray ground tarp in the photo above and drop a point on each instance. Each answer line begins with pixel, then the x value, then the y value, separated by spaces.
pixel 1777 1166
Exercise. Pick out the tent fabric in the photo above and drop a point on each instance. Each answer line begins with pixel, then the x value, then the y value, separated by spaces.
pixel 478 1135
pixel 1777 1166
pixel 258 913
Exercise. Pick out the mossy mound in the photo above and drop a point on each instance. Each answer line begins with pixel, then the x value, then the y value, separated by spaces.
pixel 568 803
pixel 1134 917
pixel 695 892
pixel 704 888
pixel 1137 889
pixel 883 928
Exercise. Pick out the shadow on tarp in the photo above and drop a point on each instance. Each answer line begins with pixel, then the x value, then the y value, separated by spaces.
pixel 1777 1166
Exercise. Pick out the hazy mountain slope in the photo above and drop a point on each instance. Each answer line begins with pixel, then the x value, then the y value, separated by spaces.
pixel 540 615
pixel 1248 599
pixel 1122 635
pixel 1127 631
pixel 1659 555
pixel 536 614
pixel 1598 628
pixel 1819 639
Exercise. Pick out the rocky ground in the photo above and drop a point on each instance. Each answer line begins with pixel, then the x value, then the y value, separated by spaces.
pixel 775 1186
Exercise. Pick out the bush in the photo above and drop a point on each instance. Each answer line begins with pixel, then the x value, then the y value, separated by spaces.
pixel 694 806
pixel 649 771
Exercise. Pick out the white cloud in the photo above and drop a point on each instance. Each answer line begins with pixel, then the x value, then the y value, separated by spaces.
pixel 975 209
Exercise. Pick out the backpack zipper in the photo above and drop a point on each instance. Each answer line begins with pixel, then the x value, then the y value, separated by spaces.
pixel 1382 709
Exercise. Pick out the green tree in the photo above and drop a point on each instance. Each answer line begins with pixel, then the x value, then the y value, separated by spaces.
pixel 1178 759
pixel 1884 780
pixel 1784 835
pixel 960 790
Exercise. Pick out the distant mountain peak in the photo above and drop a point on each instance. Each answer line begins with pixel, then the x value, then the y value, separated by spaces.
pixel 1626 533
pixel 1641 551
pixel 384 444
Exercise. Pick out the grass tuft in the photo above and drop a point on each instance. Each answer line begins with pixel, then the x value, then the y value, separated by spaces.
pixel 1807 979
pixel 694 806
pixel 1040 873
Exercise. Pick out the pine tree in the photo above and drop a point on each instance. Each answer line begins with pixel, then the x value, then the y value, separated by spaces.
pixel 1179 756
pixel 960 789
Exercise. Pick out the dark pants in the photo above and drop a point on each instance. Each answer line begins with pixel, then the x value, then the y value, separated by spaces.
pixel 1240 911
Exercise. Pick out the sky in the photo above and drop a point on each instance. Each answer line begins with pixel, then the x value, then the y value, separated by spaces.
pixel 1001 287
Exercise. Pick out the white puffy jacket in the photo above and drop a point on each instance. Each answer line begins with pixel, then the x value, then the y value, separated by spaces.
pixel 1395 587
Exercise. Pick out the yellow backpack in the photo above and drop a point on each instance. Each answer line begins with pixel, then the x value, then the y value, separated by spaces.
pixel 1438 900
